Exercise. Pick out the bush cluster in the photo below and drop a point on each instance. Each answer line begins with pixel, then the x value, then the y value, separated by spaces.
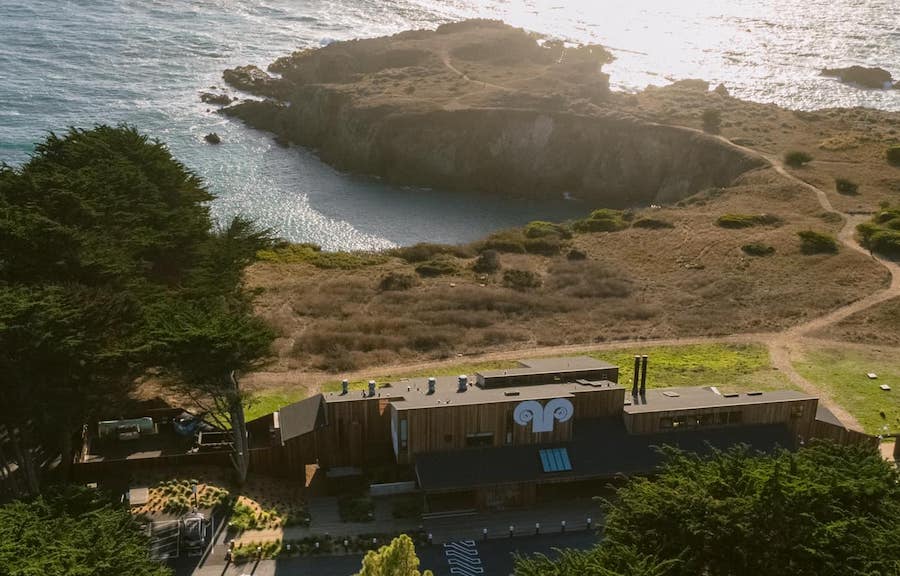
pixel 882 233
pixel 747 220
pixel 846 187
pixel 440 266
pixel 313 254
pixel 603 220
pixel 758 249
pixel 521 279
pixel 428 251
pixel 797 158
pixel 812 242
pixel 397 281
pixel 487 262
pixel 893 155
pixel 652 223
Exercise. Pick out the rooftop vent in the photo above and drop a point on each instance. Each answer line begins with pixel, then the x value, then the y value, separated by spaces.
pixel 754 393
pixel 463 383
pixel 345 386
pixel 371 387
pixel 511 393
pixel 731 395
pixel 671 394
pixel 431 383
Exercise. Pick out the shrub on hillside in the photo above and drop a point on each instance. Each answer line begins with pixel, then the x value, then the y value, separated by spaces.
pixel 512 241
pixel 747 220
pixel 313 254
pixel 541 229
pixel 545 245
pixel 712 120
pixel 893 155
pixel 882 233
pixel 603 220
pixel 576 255
pixel 758 249
pixel 846 187
pixel 812 242
pixel 397 281
pixel 652 223
pixel 437 267
pixel 797 158
pixel 426 251
pixel 521 279
pixel 488 262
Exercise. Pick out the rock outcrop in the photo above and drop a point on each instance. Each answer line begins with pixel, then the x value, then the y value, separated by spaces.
pixel 878 78
pixel 217 99
pixel 482 106
pixel 213 138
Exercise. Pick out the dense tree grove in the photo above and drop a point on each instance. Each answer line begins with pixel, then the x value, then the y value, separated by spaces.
pixel 73 531
pixel 826 510
pixel 109 265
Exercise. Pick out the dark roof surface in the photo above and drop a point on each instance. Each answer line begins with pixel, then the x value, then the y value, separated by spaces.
pixel 826 415
pixel 301 417
pixel 665 399
pixel 601 449
pixel 413 393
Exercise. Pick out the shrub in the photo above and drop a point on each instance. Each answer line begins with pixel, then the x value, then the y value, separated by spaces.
pixel 747 220
pixel 397 281
pixel 797 158
pixel 652 223
pixel 812 242
pixel 846 187
pixel 521 279
pixel 356 508
pixel 712 120
pixel 603 220
pixel 546 245
pixel 437 267
pixel 882 233
pixel 540 229
pixel 243 517
pixel 758 249
pixel 512 241
pixel 488 262
pixel 576 255
pixel 428 251
pixel 893 155
pixel 313 254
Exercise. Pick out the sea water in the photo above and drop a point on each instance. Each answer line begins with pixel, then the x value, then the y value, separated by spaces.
pixel 144 62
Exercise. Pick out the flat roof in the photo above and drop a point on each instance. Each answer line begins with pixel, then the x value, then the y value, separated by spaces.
pixel 666 399
pixel 556 365
pixel 413 393
pixel 600 449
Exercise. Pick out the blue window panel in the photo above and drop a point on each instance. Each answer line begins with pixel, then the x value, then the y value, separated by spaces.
pixel 555 460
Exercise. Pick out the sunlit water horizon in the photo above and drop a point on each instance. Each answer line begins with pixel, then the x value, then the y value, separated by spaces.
pixel 143 62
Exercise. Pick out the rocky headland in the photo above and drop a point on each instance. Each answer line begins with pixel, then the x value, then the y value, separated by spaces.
pixel 482 106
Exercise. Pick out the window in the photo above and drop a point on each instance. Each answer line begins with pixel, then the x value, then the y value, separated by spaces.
pixel 480 439
pixel 404 434
pixel 555 460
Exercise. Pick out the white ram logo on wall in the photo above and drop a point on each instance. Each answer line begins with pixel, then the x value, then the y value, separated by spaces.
pixel 542 417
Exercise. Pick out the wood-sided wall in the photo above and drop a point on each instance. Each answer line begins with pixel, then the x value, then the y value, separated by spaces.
pixel 358 433
pixel 448 427
pixel 799 415
pixel 828 431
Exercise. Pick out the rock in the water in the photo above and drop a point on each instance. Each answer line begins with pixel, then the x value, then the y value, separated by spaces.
pixel 212 138
pixel 219 99
pixel 721 90
pixel 251 79
pixel 867 77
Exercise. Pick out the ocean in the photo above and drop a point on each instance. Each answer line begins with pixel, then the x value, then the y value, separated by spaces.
pixel 143 62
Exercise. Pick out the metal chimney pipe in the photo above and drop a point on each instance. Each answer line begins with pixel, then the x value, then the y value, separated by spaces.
pixel 345 387
pixel 431 383
pixel 643 374
pixel 463 383
pixel 371 387
pixel 637 374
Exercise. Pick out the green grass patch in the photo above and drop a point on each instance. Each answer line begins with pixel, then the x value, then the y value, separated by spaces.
pixel 731 367
pixel 812 242
pixel 313 254
pixel 603 220
pixel 268 401
pixel 469 368
pixel 842 373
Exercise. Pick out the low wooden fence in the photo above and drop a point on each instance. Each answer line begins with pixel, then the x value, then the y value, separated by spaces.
pixel 828 431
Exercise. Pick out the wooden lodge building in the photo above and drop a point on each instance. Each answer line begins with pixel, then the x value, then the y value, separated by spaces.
pixel 507 437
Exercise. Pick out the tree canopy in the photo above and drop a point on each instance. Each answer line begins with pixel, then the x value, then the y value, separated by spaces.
pixel 825 510
pixel 395 559
pixel 73 531
pixel 102 234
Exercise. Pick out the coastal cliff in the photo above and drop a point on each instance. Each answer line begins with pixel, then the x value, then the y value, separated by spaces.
pixel 481 106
